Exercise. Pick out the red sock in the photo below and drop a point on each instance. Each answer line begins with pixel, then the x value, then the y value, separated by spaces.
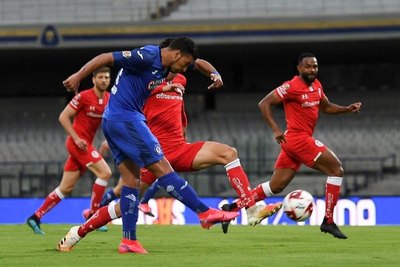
pixel 258 193
pixel 98 190
pixel 332 191
pixel 100 218
pixel 50 202
pixel 240 182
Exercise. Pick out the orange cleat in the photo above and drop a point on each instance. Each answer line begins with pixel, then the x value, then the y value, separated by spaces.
pixel 131 246
pixel 213 216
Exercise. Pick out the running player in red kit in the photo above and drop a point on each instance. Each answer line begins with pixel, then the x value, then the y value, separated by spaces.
pixel 302 98
pixel 86 110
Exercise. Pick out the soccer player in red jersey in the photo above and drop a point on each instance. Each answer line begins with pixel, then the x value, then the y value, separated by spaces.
pixel 85 110
pixel 302 98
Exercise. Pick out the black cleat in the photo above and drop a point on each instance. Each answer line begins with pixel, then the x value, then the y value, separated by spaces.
pixel 225 225
pixel 332 229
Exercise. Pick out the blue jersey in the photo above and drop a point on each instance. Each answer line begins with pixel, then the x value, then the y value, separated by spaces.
pixel 141 71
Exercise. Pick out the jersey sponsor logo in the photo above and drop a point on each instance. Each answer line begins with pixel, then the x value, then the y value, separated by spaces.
pixel 171 97
pixel 92 108
pixel 304 96
pixel 282 90
pixel 310 104
pixel 154 84
pixel 139 54
pixel 126 54
pixel 94 115
pixel 95 154
pixel 319 143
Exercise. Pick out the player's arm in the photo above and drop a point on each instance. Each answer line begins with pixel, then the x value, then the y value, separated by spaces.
pixel 73 81
pixel 66 117
pixel 265 106
pixel 327 107
pixel 208 70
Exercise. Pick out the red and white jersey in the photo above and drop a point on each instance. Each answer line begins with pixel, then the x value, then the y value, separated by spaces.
pixel 89 111
pixel 165 115
pixel 301 103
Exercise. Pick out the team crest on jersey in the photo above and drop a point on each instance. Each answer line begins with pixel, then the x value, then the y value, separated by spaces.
pixel 154 84
pixel 126 54
pixel 319 143
pixel 95 154
pixel 157 149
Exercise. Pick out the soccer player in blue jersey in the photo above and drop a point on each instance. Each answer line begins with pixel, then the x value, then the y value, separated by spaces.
pixel 132 144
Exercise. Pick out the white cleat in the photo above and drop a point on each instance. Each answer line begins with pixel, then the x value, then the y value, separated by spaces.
pixel 69 240
pixel 257 213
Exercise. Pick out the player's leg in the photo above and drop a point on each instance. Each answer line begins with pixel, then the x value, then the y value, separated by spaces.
pixel 66 186
pixel 112 194
pixel 102 216
pixel 178 188
pixel 329 164
pixel 148 188
pixel 103 173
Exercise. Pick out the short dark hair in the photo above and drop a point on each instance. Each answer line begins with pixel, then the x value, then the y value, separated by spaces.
pixel 304 55
pixel 101 69
pixel 186 45
pixel 166 42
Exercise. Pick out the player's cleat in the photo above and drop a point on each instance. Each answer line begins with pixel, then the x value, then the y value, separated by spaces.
pixel 225 225
pixel 213 216
pixel 257 213
pixel 332 229
pixel 145 208
pixel 131 246
pixel 34 223
pixel 86 215
pixel 69 240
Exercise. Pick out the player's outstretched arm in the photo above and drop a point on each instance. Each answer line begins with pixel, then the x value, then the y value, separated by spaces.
pixel 327 107
pixel 73 81
pixel 208 69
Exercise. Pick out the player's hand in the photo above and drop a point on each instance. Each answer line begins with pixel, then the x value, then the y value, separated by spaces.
pixel 177 87
pixel 81 143
pixel 72 83
pixel 217 80
pixel 355 107
pixel 279 136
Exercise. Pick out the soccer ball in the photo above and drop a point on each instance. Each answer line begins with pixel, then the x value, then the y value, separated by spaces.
pixel 298 205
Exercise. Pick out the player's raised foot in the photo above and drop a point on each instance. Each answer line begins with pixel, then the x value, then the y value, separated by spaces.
pixel 69 240
pixel 145 208
pixel 34 223
pixel 131 246
pixel 213 216
pixel 257 213
pixel 332 229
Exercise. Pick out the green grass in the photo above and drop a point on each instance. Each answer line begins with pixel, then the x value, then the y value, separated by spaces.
pixel 191 246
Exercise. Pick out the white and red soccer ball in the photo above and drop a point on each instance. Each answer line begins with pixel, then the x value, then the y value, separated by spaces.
pixel 298 205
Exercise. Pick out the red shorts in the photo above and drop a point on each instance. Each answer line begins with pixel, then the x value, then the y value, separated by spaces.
pixel 180 158
pixel 300 148
pixel 79 159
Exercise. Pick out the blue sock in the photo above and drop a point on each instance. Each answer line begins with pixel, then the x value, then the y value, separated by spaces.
pixel 150 192
pixel 129 211
pixel 178 188
pixel 107 198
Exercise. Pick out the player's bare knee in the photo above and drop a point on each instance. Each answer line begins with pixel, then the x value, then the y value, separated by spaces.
pixel 229 154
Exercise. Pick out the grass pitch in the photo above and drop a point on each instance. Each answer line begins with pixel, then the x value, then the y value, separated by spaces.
pixel 192 246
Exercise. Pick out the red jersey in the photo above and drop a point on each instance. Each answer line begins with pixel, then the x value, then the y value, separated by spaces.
pixel 301 103
pixel 89 111
pixel 165 115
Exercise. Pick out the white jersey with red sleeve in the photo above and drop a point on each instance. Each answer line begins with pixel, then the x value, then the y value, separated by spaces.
pixel 89 111
pixel 165 115
pixel 301 104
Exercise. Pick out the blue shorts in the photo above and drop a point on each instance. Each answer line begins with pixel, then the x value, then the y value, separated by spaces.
pixel 132 140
